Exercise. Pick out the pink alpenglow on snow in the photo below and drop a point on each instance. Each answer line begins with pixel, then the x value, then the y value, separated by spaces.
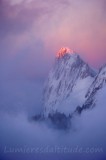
pixel 63 51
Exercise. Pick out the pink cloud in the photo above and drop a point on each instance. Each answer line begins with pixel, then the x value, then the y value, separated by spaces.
pixel 81 25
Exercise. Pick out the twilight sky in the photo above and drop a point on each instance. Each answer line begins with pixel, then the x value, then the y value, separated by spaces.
pixel 32 31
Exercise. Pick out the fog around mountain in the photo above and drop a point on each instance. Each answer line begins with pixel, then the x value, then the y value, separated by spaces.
pixel 21 138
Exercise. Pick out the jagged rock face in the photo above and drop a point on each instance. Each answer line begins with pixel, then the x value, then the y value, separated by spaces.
pixel 64 51
pixel 97 85
pixel 67 84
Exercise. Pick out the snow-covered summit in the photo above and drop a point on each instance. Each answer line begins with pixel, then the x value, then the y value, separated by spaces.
pixel 63 51
pixel 67 83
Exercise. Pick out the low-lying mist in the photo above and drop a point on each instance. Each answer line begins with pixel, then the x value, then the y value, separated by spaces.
pixel 21 98
pixel 23 139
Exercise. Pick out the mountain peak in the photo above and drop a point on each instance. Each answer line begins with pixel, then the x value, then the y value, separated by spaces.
pixel 63 51
pixel 69 78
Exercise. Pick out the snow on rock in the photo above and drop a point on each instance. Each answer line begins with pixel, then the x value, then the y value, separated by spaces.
pixel 95 89
pixel 67 83
pixel 63 51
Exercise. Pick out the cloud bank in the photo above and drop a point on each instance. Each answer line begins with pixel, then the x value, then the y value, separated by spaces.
pixel 42 27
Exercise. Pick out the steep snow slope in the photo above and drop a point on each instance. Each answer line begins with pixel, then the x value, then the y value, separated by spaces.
pixel 67 83
pixel 95 89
